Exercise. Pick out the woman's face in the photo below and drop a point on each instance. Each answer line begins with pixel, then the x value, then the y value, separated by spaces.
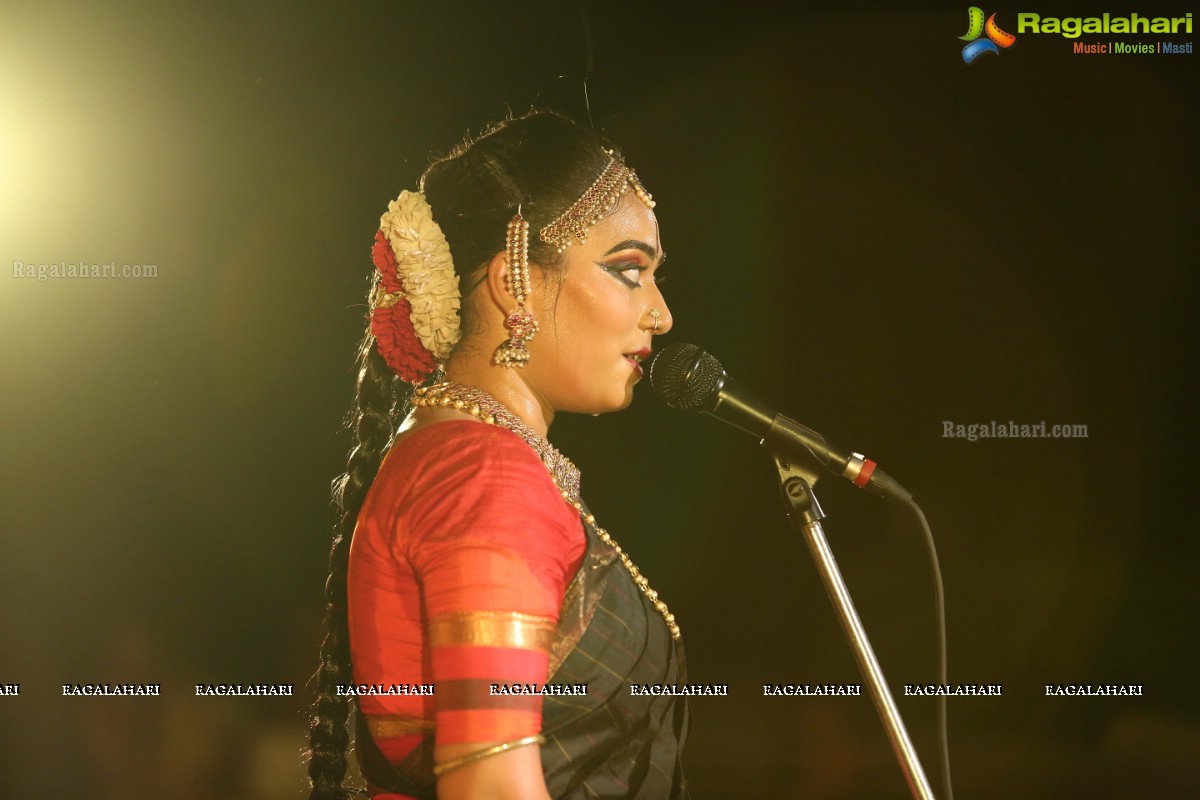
pixel 596 327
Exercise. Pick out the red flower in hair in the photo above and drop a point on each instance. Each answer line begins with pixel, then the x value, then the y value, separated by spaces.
pixel 385 262
pixel 398 343
pixel 392 324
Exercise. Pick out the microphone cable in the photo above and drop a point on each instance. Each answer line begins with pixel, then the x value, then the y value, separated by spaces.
pixel 939 611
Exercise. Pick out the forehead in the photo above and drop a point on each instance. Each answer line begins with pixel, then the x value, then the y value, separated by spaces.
pixel 631 220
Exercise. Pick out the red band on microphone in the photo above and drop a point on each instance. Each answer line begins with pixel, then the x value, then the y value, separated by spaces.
pixel 864 474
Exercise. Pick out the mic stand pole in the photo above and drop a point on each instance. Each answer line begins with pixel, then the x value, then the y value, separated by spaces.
pixel 805 513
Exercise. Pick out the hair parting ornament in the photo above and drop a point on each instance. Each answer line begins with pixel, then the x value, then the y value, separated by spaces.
pixel 415 305
pixel 595 204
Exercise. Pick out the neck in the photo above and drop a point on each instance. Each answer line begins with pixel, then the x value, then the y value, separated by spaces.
pixel 506 385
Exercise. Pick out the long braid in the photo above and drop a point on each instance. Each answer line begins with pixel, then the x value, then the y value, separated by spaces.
pixel 373 422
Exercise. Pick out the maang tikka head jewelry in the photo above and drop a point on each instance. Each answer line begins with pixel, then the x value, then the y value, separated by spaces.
pixel 521 325
pixel 594 204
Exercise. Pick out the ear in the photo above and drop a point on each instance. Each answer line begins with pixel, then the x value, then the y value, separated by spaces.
pixel 497 284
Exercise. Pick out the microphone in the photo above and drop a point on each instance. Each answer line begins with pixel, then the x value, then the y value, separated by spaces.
pixel 689 379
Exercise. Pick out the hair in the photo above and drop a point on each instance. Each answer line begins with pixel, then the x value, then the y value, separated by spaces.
pixel 540 163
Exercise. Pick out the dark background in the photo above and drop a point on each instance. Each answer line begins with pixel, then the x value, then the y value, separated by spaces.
pixel 875 235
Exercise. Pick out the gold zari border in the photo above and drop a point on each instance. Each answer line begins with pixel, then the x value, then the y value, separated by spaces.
pixel 390 726
pixel 491 629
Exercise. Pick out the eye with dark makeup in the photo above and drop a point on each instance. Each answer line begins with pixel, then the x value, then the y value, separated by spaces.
pixel 620 272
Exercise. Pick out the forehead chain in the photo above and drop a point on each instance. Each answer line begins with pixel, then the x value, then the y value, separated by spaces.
pixel 594 204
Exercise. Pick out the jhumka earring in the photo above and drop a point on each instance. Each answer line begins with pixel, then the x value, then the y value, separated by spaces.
pixel 521 325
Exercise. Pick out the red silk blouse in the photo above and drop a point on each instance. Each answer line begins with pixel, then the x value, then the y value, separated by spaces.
pixel 458 566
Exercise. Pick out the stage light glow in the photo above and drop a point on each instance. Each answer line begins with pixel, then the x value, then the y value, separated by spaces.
pixel 27 175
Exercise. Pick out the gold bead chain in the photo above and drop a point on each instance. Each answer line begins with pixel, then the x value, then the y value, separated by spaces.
pixel 639 579
pixel 565 475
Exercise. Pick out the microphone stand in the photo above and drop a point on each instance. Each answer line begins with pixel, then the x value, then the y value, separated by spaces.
pixel 805 513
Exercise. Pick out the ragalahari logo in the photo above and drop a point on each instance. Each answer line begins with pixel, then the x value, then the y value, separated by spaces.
pixel 996 38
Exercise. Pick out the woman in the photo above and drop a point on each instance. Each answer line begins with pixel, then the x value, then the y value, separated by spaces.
pixel 478 595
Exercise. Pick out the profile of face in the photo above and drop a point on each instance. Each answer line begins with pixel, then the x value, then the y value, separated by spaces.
pixel 595 315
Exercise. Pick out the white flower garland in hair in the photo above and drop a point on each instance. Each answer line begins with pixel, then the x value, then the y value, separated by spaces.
pixel 426 271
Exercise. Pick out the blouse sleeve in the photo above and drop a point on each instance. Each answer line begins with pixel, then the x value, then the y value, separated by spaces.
pixel 493 546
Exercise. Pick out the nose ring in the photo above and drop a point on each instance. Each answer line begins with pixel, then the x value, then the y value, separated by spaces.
pixel 655 315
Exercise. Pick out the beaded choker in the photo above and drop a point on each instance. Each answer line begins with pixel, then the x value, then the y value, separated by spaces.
pixel 565 475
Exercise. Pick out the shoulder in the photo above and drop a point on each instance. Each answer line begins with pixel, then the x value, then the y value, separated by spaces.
pixel 464 466
pixel 465 447
pixel 469 485
pixel 457 431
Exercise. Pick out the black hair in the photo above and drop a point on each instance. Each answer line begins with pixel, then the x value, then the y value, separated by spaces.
pixel 540 163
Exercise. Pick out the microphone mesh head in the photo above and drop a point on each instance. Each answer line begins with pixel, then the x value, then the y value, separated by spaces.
pixel 685 377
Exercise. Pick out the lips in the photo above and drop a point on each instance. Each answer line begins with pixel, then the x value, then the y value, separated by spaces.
pixel 637 357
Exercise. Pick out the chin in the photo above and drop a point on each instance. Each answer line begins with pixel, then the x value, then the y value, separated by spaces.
pixel 609 403
pixel 597 397
pixel 627 398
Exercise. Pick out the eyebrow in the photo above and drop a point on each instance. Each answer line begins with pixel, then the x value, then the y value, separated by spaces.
pixel 638 244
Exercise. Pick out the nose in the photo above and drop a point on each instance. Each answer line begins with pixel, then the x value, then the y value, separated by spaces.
pixel 658 319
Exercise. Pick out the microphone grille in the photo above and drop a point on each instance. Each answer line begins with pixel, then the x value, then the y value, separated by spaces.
pixel 685 377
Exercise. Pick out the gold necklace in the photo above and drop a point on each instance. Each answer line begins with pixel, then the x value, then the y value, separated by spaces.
pixel 565 475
